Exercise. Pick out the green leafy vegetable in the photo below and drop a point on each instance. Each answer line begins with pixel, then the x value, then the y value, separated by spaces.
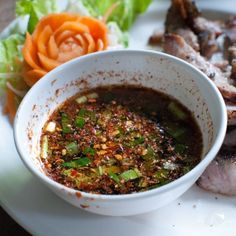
pixel 124 14
pixel 72 148
pixel 10 58
pixel 83 161
pixel 118 36
pixel 36 9
pixel 130 174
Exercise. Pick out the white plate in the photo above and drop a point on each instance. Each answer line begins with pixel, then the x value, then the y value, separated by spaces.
pixel 41 212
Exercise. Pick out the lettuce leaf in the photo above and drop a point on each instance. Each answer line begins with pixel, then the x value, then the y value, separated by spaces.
pixel 124 14
pixel 36 9
pixel 117 38
pixel 10 57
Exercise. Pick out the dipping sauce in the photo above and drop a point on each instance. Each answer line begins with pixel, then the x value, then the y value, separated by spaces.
pixel 120 140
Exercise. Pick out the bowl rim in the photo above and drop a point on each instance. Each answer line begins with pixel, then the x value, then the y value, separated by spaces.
pixel 198 168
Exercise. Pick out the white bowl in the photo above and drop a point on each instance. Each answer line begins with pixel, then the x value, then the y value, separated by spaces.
pixel 150 69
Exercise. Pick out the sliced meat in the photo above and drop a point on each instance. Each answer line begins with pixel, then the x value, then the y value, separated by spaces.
pixel 156 38
pixel 207 32
pixel 221 64
pixel 177 21
pixel 211 47
pixel 230 45
pixel 201 24
pixel 220 175
pixel 189 37
pixel 233 69
pixel 230 29
pixel 176 45
pixel 178 15
pixel 208 44
pixel 230 139
pixel 231 117
pixel 183 14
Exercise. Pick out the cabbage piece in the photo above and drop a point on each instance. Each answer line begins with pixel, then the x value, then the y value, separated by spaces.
pixel 124 14
pixel 10 58
pixel 36 9
pixel 117 38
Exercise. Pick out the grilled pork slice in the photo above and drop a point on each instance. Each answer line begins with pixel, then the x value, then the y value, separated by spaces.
pixel 176 22
pixel 177 46
pixel 230 45
pixel 201 33
pixel 220 175
pixel 231 116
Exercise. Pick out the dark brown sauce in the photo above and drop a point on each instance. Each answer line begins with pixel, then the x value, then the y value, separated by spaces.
pixel 120 139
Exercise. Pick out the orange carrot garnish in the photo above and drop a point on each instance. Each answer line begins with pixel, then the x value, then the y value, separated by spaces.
pixel 59 38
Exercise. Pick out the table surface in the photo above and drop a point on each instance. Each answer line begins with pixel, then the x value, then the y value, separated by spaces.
pixel 7 225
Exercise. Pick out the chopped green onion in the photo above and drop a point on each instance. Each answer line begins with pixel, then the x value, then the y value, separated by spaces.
pixel 135 142
pixel 86 113
pixel 138 140
pixel 186 169
pixel 180 148
pixel 98 132
pixel 150 153
pixel 121 130
pixel 162 174
pixel 72 148
pixel 177 111
pixel 83 161
pixel 175 131
pixel 81 99
pixel 45 147
pixel 79 122
pixel 100 170
pixel 82 112
pixel 114 169
pixel 161 183
pixel 114 176
pixel 92 95
pixel 92 116
pixel 89 150
pixel 130 174
pixel 65 123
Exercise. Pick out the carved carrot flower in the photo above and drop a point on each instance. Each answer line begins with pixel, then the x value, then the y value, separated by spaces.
pixel 59 38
